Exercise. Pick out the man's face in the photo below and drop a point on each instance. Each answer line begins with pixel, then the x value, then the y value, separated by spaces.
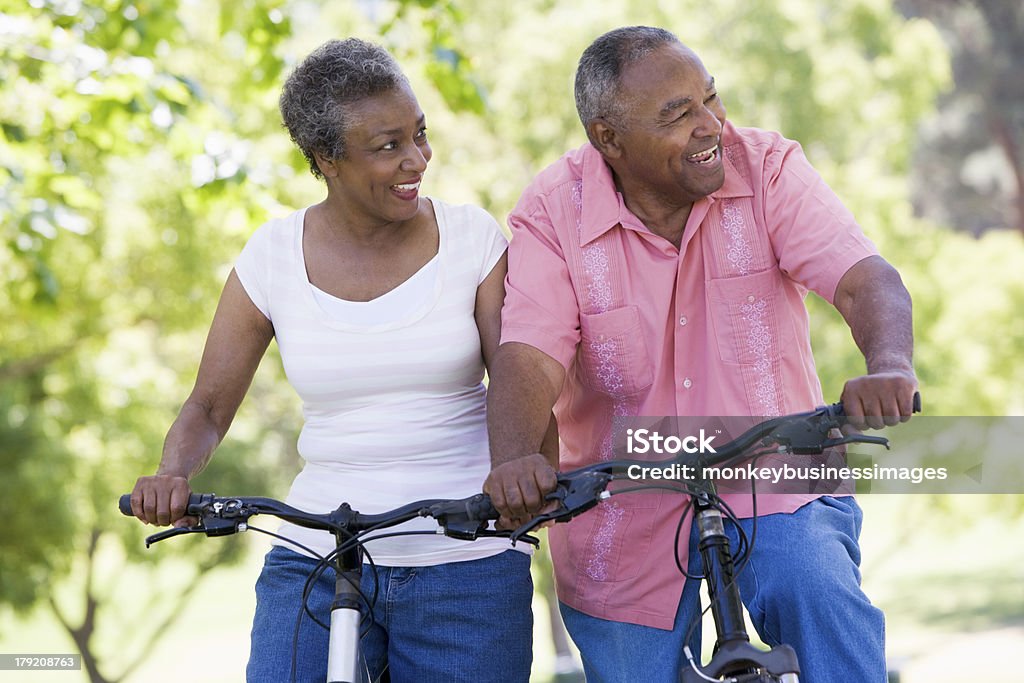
pixel 669 137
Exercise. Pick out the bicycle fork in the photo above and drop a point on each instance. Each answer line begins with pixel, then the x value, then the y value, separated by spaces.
pixel 733 653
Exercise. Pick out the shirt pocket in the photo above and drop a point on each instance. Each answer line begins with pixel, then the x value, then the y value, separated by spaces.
pixel 745 314
pixel 612 542
pixel 614 359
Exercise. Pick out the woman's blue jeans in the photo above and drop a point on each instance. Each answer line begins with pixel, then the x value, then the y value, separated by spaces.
pixel 461 621
pixel 801 587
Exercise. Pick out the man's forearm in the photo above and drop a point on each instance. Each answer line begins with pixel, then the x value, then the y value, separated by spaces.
pixel 877 307
pixel 524 385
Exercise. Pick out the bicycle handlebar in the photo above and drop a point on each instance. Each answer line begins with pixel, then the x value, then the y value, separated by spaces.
pixel 805 433
pixel 576 492
pixel 463 518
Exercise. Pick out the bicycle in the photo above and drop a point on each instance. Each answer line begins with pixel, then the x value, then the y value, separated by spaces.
pixel 735 659
pixel 463 518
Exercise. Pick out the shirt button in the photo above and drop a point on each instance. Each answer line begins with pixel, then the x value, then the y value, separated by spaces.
pixel 750 298
pixel 682 320
pixel 687 383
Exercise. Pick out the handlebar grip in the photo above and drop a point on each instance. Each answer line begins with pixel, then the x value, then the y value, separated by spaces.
pixel 480 508
pixel 836 409
pixel 195 503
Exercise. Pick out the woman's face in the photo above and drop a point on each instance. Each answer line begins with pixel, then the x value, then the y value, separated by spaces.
pixel 386 155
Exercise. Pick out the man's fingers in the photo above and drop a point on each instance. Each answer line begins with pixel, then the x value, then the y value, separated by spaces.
pixel 514 500
pixel 891 411
pixel 547 480
pixel 854 414
pixel 873 412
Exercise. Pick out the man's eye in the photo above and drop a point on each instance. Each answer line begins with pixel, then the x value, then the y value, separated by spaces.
pixel 712 97
pixel 422 134
pixel 390 146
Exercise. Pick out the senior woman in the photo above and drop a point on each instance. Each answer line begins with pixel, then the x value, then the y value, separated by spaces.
pixel 386 308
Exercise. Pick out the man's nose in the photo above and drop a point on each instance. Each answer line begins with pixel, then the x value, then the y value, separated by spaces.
pixel 709 125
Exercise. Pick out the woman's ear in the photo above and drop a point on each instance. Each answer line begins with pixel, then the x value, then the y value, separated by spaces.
pixel 327 166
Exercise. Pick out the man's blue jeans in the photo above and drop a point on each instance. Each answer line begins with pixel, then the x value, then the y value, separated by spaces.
pixel 801 587
pixel 461 621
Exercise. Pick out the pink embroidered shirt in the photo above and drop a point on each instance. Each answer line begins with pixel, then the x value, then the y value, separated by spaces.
pixel 716 327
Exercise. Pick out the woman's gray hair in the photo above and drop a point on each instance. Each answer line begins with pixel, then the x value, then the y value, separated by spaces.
pixel 316 97
pixel 602 64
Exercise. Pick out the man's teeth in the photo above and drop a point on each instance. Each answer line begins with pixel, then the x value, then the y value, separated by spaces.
pixel 705 157
pixel 406 188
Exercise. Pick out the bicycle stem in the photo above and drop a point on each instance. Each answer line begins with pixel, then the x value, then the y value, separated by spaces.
pixel 719 573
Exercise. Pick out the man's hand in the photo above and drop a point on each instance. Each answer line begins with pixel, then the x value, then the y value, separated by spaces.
pixel 517 489
pixel 881 399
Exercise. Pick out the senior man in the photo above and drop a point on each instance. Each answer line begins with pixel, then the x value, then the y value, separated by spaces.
pixel 661 269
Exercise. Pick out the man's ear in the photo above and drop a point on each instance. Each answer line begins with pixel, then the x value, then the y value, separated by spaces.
pixel 327 166
pixel 605 138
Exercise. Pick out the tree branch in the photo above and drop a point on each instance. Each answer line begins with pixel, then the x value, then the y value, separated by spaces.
pixel 82 634
pixel 174 614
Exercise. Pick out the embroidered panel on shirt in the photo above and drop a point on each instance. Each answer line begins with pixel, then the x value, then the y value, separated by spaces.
pixel 603 540
pixel 599 299
pixel 759 341
pixel 739 253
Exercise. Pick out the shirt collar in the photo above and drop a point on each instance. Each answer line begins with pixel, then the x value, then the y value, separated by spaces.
pixel 603 207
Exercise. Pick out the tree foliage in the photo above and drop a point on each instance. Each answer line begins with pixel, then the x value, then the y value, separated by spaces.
pixel 140 145
pixel 126 186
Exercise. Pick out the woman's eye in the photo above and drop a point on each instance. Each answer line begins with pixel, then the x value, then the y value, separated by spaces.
pixel 422 134
pixel 391 146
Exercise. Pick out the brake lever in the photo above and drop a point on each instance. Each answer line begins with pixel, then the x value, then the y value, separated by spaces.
pixel 177 531
pixel 857 438
pixel 512 535
pixel 575 495
pixel 210 525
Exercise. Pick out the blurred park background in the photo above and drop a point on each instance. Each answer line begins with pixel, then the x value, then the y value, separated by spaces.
pixel 140 145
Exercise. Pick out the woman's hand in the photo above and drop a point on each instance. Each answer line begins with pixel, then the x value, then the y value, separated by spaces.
pixel 162 499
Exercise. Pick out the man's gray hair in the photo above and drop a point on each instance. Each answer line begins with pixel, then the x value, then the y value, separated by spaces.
pixel 601 66
pixel 317 94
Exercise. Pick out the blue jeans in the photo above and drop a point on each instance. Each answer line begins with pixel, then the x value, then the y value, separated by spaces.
pixel 801 587
pixel 461 621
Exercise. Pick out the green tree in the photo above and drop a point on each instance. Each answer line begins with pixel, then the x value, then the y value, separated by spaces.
pixel 131 173
pixel 140 145
pixel 125 188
